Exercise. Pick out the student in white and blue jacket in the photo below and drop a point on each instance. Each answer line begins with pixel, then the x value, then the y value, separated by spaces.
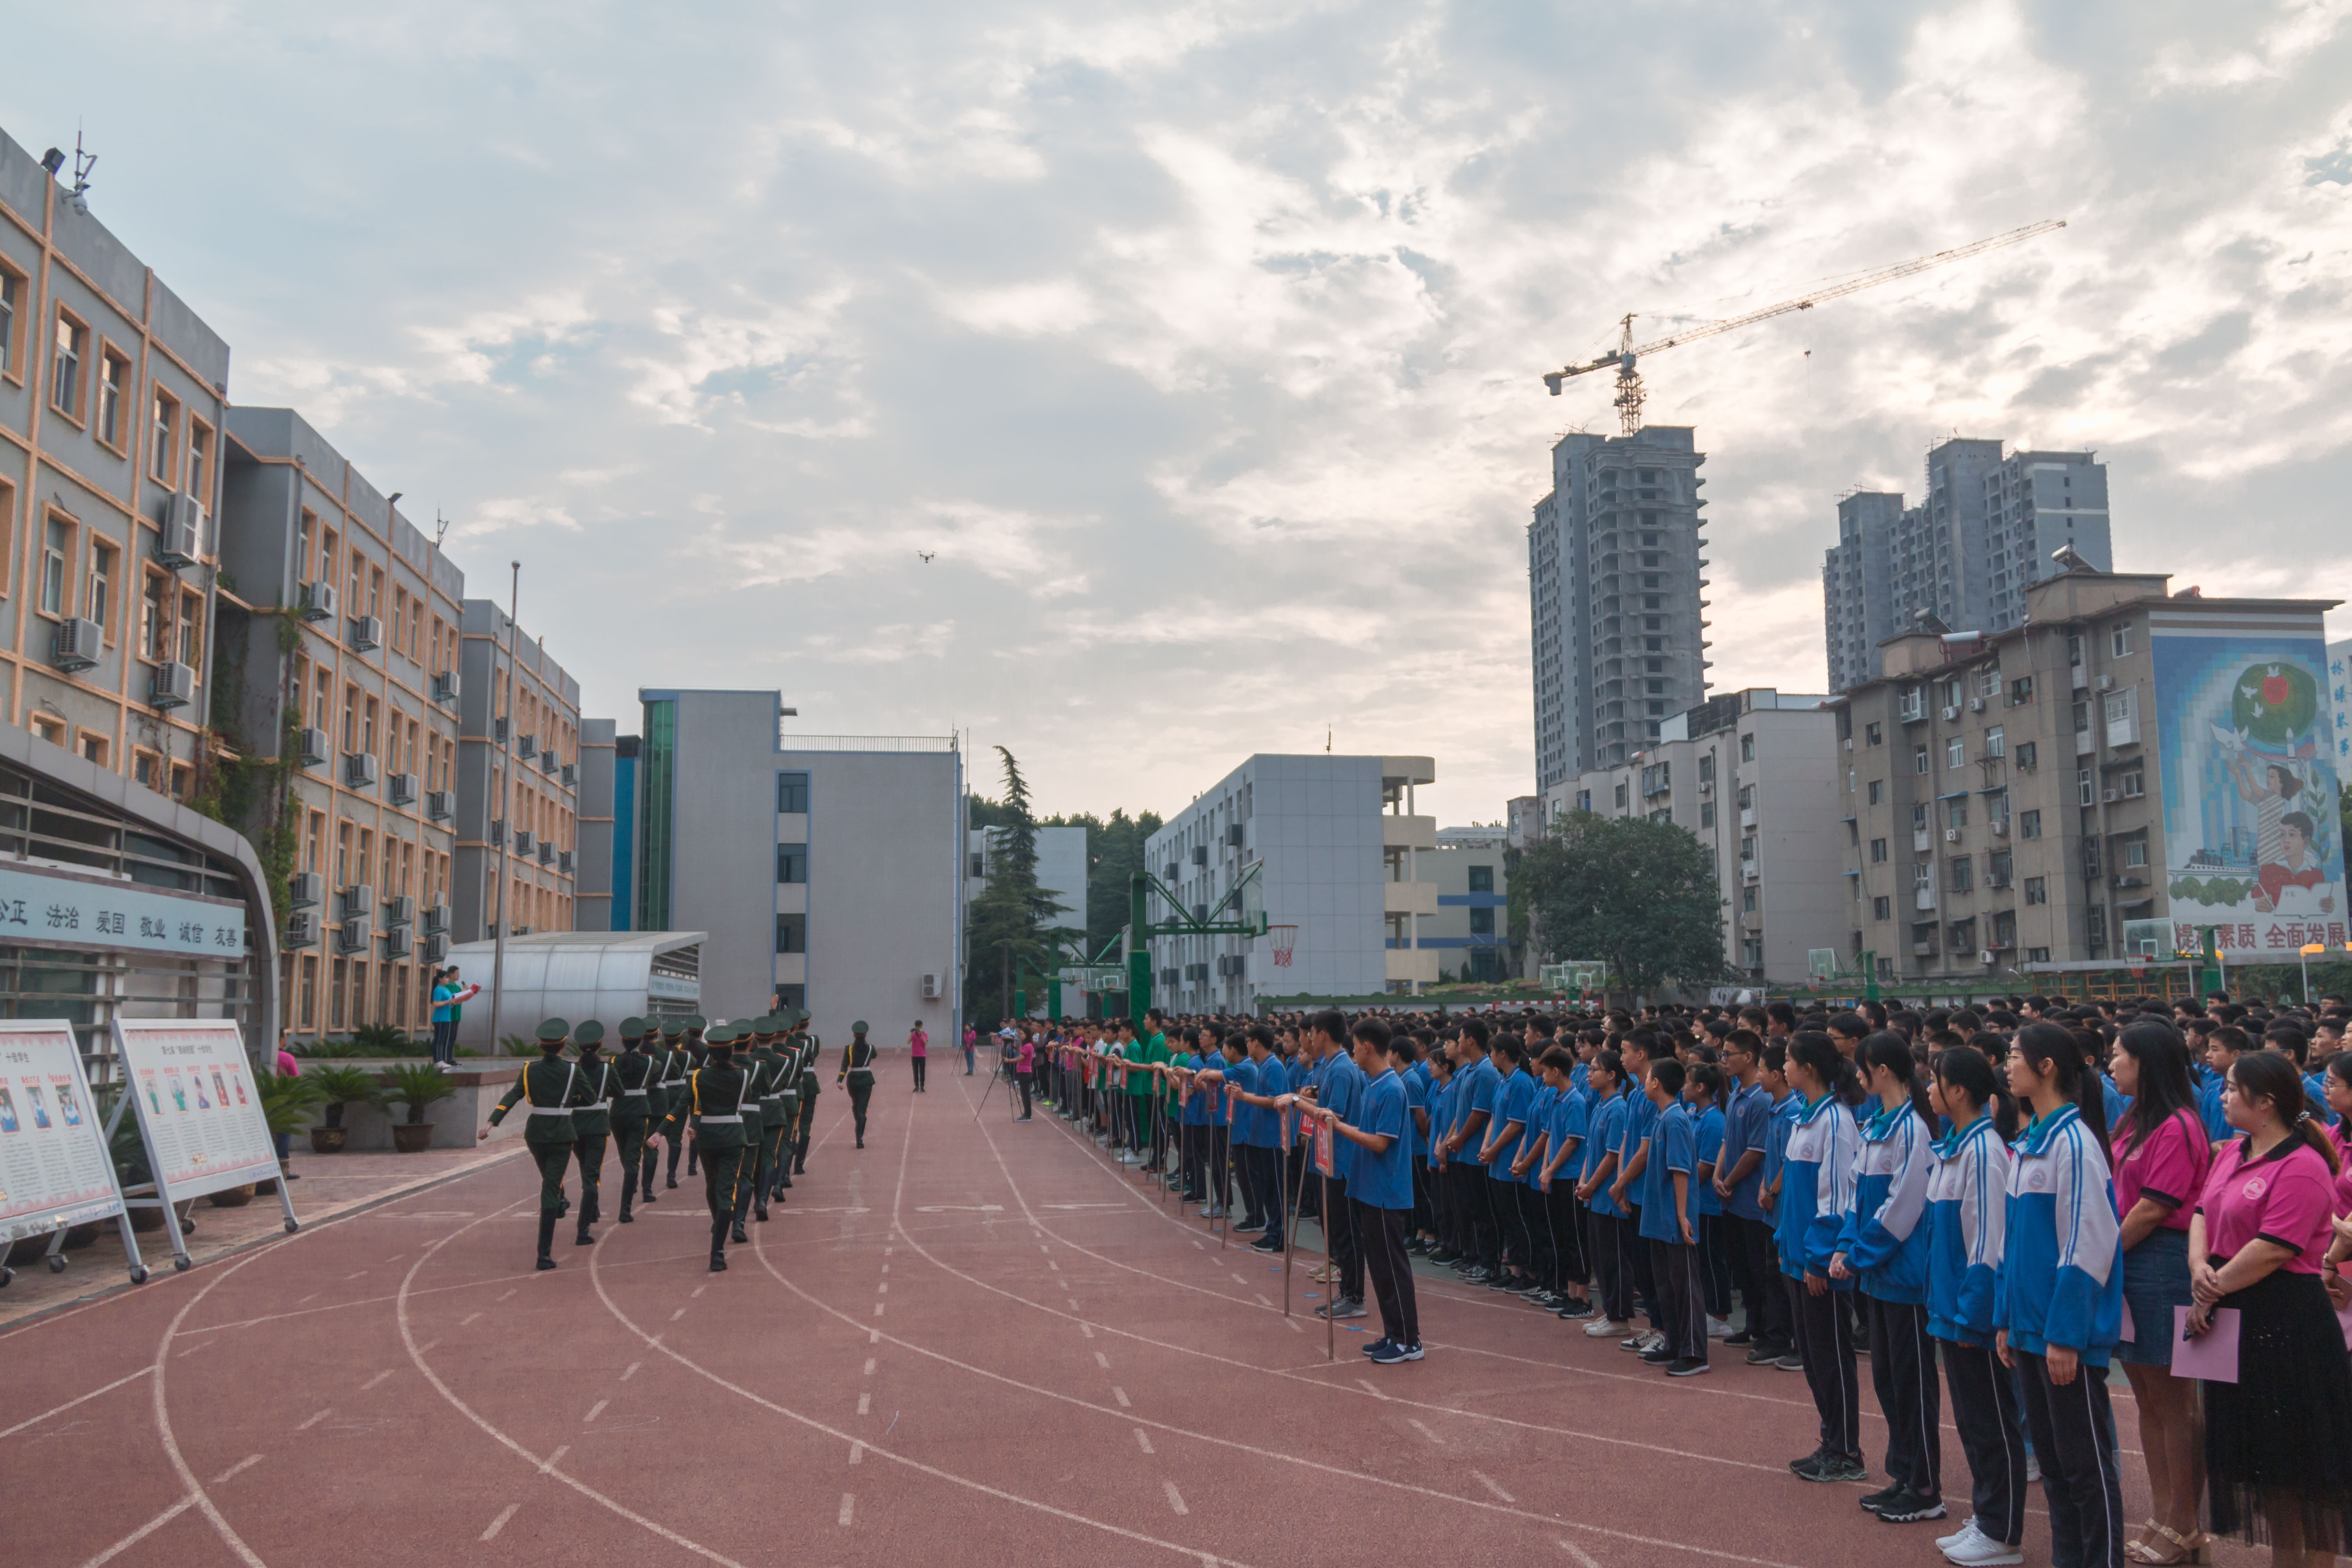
pixel 2060 1298
pixel 1816 1186
pixel 1968 1199
pixel 1884 1244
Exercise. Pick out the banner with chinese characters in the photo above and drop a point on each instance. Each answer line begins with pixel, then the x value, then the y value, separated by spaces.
pixel 2252 843
pixel 198 1104
pixel 76 911
pixel 54 1168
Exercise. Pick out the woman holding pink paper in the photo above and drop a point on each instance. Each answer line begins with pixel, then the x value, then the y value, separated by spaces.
pixel 2275 1439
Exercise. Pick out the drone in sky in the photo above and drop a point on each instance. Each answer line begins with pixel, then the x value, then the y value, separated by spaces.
pixel 927 555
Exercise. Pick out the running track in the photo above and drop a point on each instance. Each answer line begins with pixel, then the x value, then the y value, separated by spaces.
pixel 973 1341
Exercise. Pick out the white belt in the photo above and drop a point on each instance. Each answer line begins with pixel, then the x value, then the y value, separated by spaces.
pixel 718 1119
pixel 550 1110
pixel 673 1083
pixel 639 1093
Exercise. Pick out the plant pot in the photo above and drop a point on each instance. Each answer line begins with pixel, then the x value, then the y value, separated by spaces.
pixel 411 1137
pixel 146 1221
pixel 232 1197
pixel 327 1140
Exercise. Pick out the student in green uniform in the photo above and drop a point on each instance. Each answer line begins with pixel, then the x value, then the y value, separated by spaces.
pixel 858 1072
pixel 716 1094
pixel 549 1087
pixel 676 1064
pixel 809 1088
pixel 592 1121
pixel 633 1111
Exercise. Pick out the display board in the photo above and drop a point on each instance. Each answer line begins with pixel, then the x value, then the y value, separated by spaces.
pixel 55 1172
pixel 199 1112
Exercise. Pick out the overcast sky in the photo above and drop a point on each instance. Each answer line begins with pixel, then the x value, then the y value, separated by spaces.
pixel 1198 342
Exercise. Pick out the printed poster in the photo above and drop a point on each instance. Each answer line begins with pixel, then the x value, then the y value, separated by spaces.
pixel 2251 840
pixel 197 1105
pixel 1324 1136
pixel 54 1167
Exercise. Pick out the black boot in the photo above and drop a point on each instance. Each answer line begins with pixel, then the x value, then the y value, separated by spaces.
pixel 584 1238
pixel 653 1164
pixel 626 1194
pixel 760 1213
pixel 741 1238
pixel 547 1218
pixel 783 1176
pixel 718 1247
pixel 590 1211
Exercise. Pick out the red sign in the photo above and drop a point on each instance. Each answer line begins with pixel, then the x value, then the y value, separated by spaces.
pixel 1324 1161
pixel 1233 1105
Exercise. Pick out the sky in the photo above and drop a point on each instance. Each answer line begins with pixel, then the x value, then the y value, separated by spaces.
pixel 1141 386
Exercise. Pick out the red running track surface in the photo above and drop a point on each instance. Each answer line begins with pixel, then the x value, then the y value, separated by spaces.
pixel 972 1341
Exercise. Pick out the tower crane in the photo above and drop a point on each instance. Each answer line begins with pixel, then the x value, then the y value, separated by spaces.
pixel 1630 393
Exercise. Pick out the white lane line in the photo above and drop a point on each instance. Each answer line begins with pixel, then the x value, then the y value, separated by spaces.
pixel 142 1532
pixel 673 1317
pixel 1175 1498
pixel 1120 1394
pixel 632 1371
pixel 1369 1386
pixel 869 1366
pixel 1423 1430
pixel 1088 1330
pixel 866 1405
pixel 883 1289
pixel 879 1306
pixel 242 1465
pixel 594 1411
pixel 1143 1440
pixel 378 1378
pixel 1483 1479
pixel 312 1297
pixel 856 1452
pixel 561 1449
pixel 1102 1360
pixel 83 1399
pixel 1264 1300
pixel 848 1508
pixel 316 1419
pixel 509 1293
pixel 467 1320
pixel 874 1337
pixel 499 1523
pixel 1583 1558
pixel 1676 1545
pixel 696 1294
pixel 1294 1325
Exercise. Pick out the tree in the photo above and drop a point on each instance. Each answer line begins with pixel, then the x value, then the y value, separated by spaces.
pixel 1114 854
pixel 1639 895
pixel 1008 921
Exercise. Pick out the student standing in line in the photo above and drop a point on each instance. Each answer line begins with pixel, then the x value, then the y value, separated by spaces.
pixel 1816 1186
pixel 1605 1217
pixel 1527 1190
pixel 1380 1187
pixel 1705 1090
pixel 1967 1204
pixel 1479 1082
pixel 2222 1048
pixel 2061 1293
pixel 1441 1247
pixel 2275 1440
pixel 1556 1181
pixel 1507 1131
pixel 1671 1228
pixel 1341 1088
pixel 1738 1183
pixel 1787 1105
pixel 1632 1188
pixel 1884 1246
pixel 1406 1054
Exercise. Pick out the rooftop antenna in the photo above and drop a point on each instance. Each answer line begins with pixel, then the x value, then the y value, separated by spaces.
pixel 440 528
pixel 83 164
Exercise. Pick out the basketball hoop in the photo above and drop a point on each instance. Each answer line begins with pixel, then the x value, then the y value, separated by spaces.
pixel 1284 940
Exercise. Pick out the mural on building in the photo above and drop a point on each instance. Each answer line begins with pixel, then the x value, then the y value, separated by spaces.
pixel 2247 747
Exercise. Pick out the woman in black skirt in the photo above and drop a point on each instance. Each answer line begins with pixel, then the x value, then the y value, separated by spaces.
pixel 2276 1440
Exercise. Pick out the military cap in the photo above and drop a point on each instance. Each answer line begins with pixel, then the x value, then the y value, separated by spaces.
pixel 696 1021
pixel 590 1033
pixel 719 1038
pixel 858 1027
pixel 555 1032
pixel 673 1028
pixel 634 1028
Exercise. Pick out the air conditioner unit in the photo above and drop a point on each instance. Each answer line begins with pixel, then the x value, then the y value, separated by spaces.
pixel 403 789
pixel 171 686
pixel 353 936
pixel 444 686
pixel 436 918
pixel 499 730
pixel 367 633
pixel 1976 704
pixel 526 747
pixel 1984 956
pixel 931 987
pixel 2001 828
pixel 301 929
pixel 571 775
pixel 306 889
pixel 1200 854
pixel 359 771
pixel 497 832
pixel 1849 743
pixel 400 911
pixel 524 842
pixel 1951 836
pixel 395 944
pixel 547 852
pixel 2105 683
pixel 2111 796
pixel 182 538
pixel 1234 835
pixel 441 804
pixel 547 762
pixel 359 901
pixel 312 744
pixel 564 861
pixel 436 947
pixel 1201 913
pixel 317 601
pixel 76 644
pixel 1172 872
pixel 1951 714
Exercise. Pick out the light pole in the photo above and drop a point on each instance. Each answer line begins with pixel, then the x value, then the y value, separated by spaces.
pixel 505 802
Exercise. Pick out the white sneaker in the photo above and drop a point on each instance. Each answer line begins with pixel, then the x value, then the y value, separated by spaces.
pixel 1966 1531
pixel 2032 1469
pixel 1652 1341
pixel 1984 1550
pixel 1604 1329
pixel 1716 1328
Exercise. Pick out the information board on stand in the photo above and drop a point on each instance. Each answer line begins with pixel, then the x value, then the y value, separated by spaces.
pixel 54 1170
pixel 199 1114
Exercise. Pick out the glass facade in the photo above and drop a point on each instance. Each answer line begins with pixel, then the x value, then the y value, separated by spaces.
pixel 657 796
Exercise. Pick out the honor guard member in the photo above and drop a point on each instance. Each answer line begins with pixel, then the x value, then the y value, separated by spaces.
pixel 858 1072
pixel 592 1121
pixel 633 1110
pixel 783 1129
pixel 809 1088
pixel 715 1094
pixel 777 1081
pixel 698 1050
pixel 674 1080
pixel 755 1125
pixel 549 1087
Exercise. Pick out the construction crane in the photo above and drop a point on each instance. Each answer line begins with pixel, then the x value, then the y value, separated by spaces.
pixel 1630 394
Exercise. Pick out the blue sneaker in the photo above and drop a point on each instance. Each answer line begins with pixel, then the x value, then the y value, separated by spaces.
pixel 1390 1354
pixel 1408 1352
pixel 1377 1346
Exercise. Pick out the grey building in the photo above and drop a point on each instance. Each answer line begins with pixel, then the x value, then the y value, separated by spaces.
pixel 1964 554
pixel 1616 594
pixel 1469 932
pixel 594 888
pixel 518 780
pixel 826 871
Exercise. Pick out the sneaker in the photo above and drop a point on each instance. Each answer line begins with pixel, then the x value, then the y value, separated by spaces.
pixel 1524 1285
pixel 1810 1463
pixel 2033 1467
pixel 1842 1467
pixel 1408 1352
pixel 1688 1366
pixel 1604 1327
pixel 1739 1341
pixel 1390 1354
pixel 1716 1328
pixel 1576 1306
pixel 1966 1531
pixel 1880 1498
pixel 1270 1243
pixel 1653 1341
pixel 1763 1355
pixel 1907 1507
pixel 1792 1362
pixel 1659 1355
pixel 1377 1346
pixel 1984 1550
pixel 1345 1307
pixel 1443 1255
pixel 1639 1342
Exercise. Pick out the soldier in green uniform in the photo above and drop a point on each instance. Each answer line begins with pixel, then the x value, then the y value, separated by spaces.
pixel 755 1124
pixel 697 1051
pixel 858 1072
pixel 633 1110
pixel 592 1121
pixel 549 1087
pixel 807 1044
pixel 783 1120
pixel 716 1093
pixel 670 1075
pixel 773 1075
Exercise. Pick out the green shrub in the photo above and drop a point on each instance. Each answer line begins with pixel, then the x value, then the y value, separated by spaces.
pixel 380 1040
pixel 339 1087
pixel 416 1085
pixel 287 1102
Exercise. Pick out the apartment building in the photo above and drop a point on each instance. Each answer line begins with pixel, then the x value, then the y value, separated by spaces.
pixel 1753 775
pixel 2127 767
pixel 1062 867
pixel 1617 593
pixel 518 781
pixel 337 643
pixel 1469 929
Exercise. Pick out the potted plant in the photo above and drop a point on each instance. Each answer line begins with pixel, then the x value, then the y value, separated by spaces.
pixel 380 1040
pixel 338 1087
pixel 416 1085
pixel 286 1104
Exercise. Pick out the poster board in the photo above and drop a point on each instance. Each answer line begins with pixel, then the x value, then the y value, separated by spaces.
pixel 199 1112
pixel 54 1170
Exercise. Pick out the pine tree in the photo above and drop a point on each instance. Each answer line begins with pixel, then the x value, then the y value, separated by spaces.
pixel 1009 919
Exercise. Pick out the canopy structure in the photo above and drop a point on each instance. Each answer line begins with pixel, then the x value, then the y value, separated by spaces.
pixel 580 974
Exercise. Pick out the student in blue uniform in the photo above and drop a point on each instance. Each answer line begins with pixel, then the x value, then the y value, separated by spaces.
pixel 1343 1086
pixel 1631 1188
pixel 1670 1228
pixel 1479 1083
pixel 1604 1217
pixel 1505 1132
pixel 1445 1246
pixel 1380 1189
pixel 1705 1091
pixel 1816 1186
pixel 1527 1186
pixel 1787 1105
pixel 1739 1181
pixel 2223 1047
pixel 1557 1184
pixel 1404 1054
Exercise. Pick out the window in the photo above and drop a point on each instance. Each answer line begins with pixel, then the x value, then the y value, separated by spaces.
pixel 1481 922
pixel 2037 955
pixel 1706 768
pixel 2087 788
pixel 1747 748
pixel 1882 907
pixel 57 551
pixel 1878 851
pixel 1919 816
pixel 1747 900
pixel 1919 759
pixel 2026 755
pixel 1988 680
pixel 791 863
pixel 2132 784
pixel 49 728
pixel 147 770
pixel 1996 743
pixel 98 589
pixel 113 380
pixel 1874 734
pixel 93 748
pixel 2020 690
pixel 12 291
pixel 1707 814
pixel 2037 889
pixel 792 933
pixel 2029 825
pixel 1878 792
pixel 192 627
pixel 1956 812
pixel 200 447
pixel 2135 852
pixel 1621 796
pixel 2119 640
pixel 1956 751
pixel 164 461
pixel 65 367
pixel 1482 879
pixel 792 795
pixel 154 635
pixel 1964 876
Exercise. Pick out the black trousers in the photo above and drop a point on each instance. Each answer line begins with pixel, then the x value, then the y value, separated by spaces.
pixel 1021 1082
pixel 1985 1408
pixel 1611 1270
pixel 1681 1297
pixel 445 1043
pixel 1902 1375
pixel 1639 1263
pixel 589 1150
pixel 2074 1431
pixel 920 1062
pixel 1756 1272
pixel 1825 1337
pixel 1472 1186
pixel 1219 1168
pixel 1245 1163
pixel 1564 1217
pixel 860 1093
pixel 554 1160
pixel 1511 1219
pixel 629 1141
pixel 720 1168
pixel 1424 1211
pixel 1347 1247
pixel 1272 1196
pixel 1535 1224
pixel 1714 1247
pixel 1390 1266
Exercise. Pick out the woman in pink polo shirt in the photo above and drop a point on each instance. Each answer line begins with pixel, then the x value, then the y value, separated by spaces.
pixel 2275 1440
